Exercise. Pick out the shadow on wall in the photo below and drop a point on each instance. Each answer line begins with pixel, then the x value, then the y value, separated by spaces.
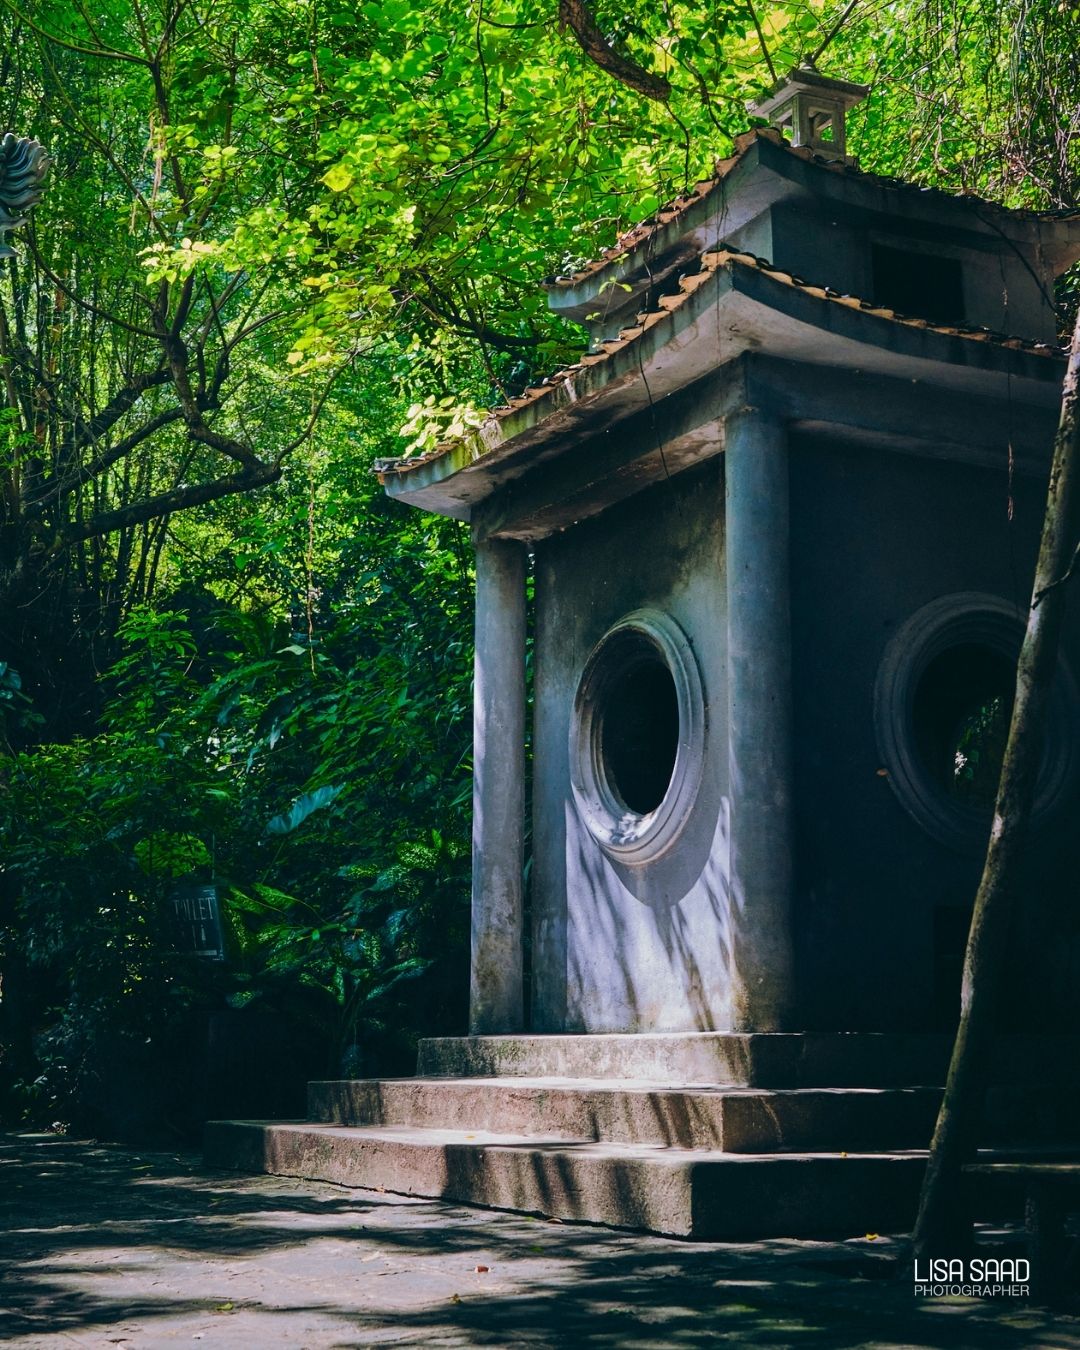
pixel 648 948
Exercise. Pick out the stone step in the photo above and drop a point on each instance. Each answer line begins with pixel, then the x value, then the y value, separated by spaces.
pixel 770 1059
pixel 733 1120
pixel 682 1192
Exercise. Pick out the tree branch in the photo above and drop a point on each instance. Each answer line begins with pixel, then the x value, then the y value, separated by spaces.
pixel 943 1223
pixel 60 485
pixel 575 15
pixel 165 503
pixel 86 432
pixel 106 53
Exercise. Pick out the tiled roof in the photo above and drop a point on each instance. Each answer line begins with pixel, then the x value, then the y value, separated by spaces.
pixel 566 380
pixel 666 215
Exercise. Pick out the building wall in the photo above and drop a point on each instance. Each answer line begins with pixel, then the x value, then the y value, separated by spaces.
pixel 1003 289
pixel 619 947
pixel 881 905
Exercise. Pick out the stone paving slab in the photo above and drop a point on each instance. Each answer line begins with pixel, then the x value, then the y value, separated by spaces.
pixel 101 1247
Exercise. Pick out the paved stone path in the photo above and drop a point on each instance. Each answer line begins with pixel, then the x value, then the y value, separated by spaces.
pixel 105 1247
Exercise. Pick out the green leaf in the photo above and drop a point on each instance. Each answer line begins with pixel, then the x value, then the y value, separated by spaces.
pixel 338 178
pixel 301 808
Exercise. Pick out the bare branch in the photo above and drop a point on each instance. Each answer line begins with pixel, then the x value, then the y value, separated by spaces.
pixel 761 41
pixel 833 31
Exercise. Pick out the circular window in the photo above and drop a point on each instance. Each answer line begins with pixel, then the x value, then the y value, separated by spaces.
pixel 637 739
pixel 943 703
pixel 960 717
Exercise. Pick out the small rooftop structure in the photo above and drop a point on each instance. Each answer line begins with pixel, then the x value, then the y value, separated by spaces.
pixel 811 110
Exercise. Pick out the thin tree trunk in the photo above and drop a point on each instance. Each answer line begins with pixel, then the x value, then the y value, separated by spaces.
pixel 943 1226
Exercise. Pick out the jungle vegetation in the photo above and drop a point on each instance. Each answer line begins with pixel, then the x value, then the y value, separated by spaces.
pixel 281 239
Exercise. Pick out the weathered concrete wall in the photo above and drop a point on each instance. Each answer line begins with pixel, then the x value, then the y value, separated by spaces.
pixel 880 903
pixel 831 246
pixel 876 536
pixel 618 947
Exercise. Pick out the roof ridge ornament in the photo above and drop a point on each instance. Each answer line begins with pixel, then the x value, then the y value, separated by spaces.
pixel 23 166
pixel 810 110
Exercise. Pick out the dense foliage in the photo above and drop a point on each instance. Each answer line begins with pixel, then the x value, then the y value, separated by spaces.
pixel 320 781
pixel 277 234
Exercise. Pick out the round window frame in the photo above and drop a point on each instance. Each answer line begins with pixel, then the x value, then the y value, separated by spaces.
pixel 625 835
pixel 968 618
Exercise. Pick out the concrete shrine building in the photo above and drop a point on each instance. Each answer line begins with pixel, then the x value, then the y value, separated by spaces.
pixel 776 587
pixel 781 520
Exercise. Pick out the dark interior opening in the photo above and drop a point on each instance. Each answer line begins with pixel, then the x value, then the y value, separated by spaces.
pixel 961 713
pixel 918 284
pixel 639 732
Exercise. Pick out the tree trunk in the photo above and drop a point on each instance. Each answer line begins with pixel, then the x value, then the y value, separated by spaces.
pixel 943 1225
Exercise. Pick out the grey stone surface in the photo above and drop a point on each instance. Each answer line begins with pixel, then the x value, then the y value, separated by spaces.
pixel 761 827
pixel 821 225
pixel 785 475
pixel 702 1135
pixel 101 1247
pixel 874 890
pixel 841 1059
pixel 736 1120
pixel 23 166
pixel 621 947
pixel 496 990
pixel 693 1193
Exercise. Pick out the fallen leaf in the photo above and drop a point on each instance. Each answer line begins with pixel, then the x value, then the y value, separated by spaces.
pixel 872 1237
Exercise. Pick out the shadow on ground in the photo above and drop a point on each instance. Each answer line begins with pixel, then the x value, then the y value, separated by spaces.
pixel 101 1246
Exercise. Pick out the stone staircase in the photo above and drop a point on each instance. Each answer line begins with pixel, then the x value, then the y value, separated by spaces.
pixel 703 1135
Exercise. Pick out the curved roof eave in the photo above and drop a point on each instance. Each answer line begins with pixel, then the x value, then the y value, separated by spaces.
pixel 736 303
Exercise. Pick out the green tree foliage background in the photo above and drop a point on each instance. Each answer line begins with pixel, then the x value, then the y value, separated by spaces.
pixel 277 234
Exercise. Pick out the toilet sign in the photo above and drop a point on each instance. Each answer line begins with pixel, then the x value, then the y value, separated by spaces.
pixel 197 920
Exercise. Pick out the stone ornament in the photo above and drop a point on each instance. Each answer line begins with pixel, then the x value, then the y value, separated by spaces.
pixel 23 166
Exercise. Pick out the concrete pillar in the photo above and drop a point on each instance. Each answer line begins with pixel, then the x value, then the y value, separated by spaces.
pixel 495 995
pixel 760 720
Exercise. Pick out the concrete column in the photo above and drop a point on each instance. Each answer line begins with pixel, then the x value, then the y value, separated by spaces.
pixel 760 720
pixel 495 995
